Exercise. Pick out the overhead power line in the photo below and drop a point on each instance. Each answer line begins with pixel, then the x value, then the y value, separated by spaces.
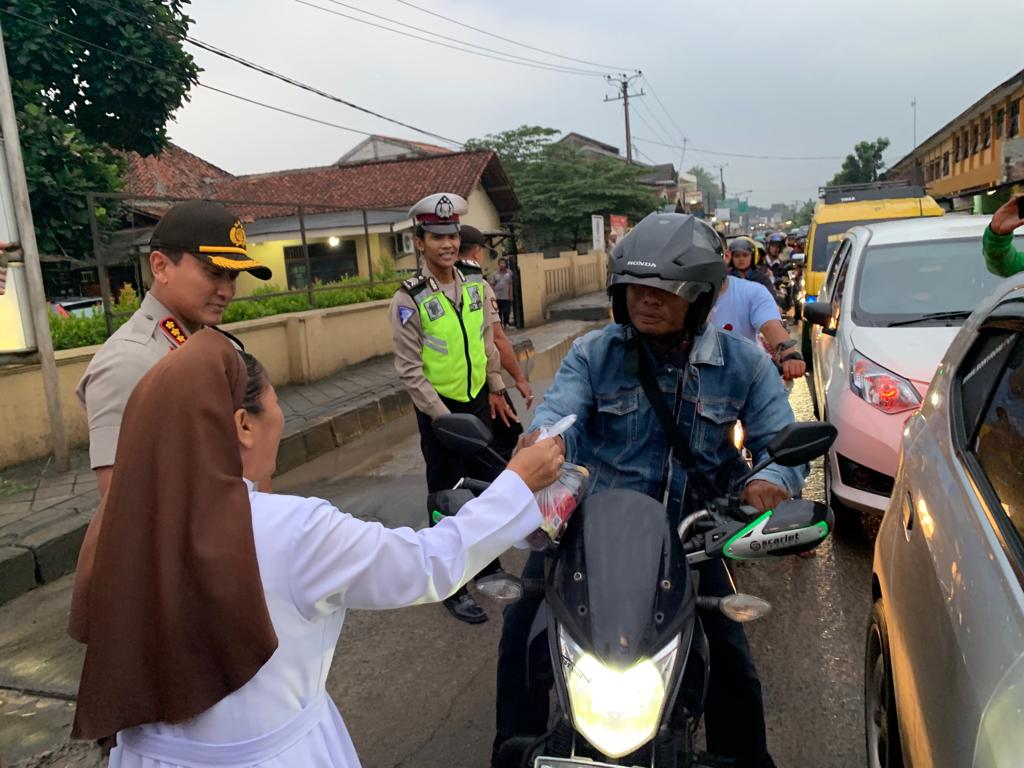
pixel 690 148
pixel 502 57
pixel 509 40
pixel 661 132
pixel 154 68
pixel 664 109
pixel 357 9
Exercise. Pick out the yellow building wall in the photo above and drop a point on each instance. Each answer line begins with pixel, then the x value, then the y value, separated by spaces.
pixel 271 254
pixel 482 213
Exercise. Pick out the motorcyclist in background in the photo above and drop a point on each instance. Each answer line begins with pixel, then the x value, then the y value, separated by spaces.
pixel 665 278
pixel 742 260
pixel 774 262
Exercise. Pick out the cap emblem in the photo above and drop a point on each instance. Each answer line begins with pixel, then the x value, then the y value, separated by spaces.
pixel 237 234
pixel 444 208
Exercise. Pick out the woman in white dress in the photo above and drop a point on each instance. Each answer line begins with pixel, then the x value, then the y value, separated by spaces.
pixel 211 611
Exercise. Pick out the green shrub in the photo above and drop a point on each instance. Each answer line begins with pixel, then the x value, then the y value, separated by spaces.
pixel 72 332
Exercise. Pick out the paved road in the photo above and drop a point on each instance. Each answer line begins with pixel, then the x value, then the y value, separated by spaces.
pixel 416 688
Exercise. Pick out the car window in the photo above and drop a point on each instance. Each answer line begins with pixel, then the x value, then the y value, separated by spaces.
pixel 999 438
pixel 833 268
pixel 905 281
pixel 844 269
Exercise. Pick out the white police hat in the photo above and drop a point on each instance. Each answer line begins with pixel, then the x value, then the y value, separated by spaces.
pixel 439 213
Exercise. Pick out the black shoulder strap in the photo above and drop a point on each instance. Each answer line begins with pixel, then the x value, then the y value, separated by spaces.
pixel 649 382
pixel 414 285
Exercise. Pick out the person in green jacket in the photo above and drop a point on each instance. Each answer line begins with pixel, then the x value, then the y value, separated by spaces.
pixel 997 244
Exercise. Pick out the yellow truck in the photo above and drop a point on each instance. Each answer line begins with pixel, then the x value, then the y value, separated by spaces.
pixel 841 207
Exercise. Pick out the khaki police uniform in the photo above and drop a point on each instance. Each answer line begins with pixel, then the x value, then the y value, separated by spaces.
pixel 116 368
pixel 211 233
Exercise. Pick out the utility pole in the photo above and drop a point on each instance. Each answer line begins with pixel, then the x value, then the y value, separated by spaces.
pixel 622 82
pixel 721 176
pixel 30 252
pixel 913 106
pixel 682 157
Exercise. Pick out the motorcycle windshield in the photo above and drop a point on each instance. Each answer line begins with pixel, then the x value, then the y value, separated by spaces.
pixel 621 584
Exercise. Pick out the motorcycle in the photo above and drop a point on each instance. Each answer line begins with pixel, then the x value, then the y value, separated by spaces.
pixel 623 609
pixel 796 282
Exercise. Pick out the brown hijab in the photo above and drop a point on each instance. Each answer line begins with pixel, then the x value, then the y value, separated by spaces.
pixel 172 608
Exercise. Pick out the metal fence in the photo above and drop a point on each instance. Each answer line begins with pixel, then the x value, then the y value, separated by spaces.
pixel 121 234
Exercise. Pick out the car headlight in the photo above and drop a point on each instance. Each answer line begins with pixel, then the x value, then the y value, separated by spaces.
pixel 881 387
pixel 616 710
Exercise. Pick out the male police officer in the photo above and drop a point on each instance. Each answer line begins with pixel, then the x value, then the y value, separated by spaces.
pixel 445 353
pixel 198 251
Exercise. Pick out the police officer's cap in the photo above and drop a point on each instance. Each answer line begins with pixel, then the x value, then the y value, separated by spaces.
pixel 439 213
pixel 211 233
pixel 471 235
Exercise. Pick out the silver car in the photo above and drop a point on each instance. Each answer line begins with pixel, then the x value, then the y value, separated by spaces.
pixel 944 659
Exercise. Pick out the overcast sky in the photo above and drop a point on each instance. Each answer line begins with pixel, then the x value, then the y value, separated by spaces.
pixel 793 78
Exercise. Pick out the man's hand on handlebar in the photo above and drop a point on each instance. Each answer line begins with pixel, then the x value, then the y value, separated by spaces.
pixel 764 495
pixel 539 464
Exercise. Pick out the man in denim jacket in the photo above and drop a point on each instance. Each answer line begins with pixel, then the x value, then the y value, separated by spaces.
pixel 665 277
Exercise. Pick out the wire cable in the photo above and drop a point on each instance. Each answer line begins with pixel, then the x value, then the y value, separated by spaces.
pixel 509 40
pixel 574 70
pixel 251 65
pixel 664 109
pixel 690 148
pixel 546 67
pixel 152 67
pixel 663 133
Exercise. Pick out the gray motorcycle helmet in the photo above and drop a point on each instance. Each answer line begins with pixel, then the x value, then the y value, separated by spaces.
pixel 674 252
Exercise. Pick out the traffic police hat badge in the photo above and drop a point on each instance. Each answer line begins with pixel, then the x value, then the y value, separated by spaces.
pixel 439 213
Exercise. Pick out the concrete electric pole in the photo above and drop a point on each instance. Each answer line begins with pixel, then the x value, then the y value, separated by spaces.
pixel 623 82
pixel 33 272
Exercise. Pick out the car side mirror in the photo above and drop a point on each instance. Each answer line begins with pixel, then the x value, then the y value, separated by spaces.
pixel 820 313
pixel 800 442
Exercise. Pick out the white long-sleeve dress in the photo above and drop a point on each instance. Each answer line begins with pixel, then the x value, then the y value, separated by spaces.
pixel 316 562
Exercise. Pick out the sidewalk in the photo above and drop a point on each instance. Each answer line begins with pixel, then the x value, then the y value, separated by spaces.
pixel 593 307
pixel 44 513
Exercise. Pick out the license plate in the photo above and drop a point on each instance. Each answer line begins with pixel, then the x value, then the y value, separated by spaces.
pixel 571 762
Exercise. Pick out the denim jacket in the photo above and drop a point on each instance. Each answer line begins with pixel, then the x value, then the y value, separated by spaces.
pixel 617 435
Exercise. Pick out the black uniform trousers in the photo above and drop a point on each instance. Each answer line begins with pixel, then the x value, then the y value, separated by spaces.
pixel 444 467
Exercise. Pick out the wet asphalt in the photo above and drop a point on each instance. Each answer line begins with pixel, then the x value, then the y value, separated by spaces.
pixel 416 687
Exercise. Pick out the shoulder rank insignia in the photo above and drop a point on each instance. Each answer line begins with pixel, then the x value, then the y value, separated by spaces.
pixel 469 266
pixel 173 331
pixel 414 282
pixel 404 314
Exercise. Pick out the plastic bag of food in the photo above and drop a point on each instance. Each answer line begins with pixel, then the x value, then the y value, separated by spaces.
pixel 559 500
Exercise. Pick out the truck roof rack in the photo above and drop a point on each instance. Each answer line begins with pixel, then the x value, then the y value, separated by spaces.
pixel 874 190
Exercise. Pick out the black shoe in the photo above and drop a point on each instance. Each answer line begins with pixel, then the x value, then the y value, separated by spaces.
pixel 464 608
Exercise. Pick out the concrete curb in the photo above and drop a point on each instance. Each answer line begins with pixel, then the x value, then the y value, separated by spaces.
pixel 45 546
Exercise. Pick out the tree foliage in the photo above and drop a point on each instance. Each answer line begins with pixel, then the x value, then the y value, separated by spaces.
pixel 90 78
pixel 560 188
pixel 864 164
pixel 708 186
pixel 802 216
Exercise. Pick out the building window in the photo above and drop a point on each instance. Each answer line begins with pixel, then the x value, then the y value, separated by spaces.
pixel 1000 122
pixel 986 132
pixel 956 149
pixel 974 139
pixel 1014 127
pixel 327 264
pixel 965 142
pixel 945 163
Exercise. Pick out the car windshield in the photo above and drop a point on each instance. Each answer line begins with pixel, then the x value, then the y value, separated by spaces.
pixel 907 281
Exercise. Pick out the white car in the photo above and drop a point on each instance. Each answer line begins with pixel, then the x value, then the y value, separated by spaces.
pixel 894 297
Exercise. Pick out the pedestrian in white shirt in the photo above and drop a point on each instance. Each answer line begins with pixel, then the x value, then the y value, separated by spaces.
pixel 212 611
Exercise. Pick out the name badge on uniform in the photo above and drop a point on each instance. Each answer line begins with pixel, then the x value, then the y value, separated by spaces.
pixel 475 301
pixel 435 310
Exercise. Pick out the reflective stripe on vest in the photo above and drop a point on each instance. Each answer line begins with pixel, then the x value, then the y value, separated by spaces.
pixel 454 357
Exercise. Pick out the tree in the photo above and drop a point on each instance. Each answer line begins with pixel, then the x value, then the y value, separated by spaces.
pixel 560 188
pixel 709 187
pixel 802 216
pixel 862 166
pixel 91 79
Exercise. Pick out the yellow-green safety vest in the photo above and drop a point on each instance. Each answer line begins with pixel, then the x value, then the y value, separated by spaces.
pixel 454 356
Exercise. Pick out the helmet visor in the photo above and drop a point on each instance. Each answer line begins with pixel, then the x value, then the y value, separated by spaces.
pixel 690 290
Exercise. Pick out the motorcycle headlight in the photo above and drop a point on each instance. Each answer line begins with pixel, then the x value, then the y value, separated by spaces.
pixel 616 710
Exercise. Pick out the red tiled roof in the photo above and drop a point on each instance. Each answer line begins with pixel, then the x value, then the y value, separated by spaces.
pixel 175 172
pixel 375 185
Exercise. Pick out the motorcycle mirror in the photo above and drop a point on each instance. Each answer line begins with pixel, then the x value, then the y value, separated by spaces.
pixel 463 433
pixel 797 258
pixel 503 588
pixel 743 608
pixel 800 442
